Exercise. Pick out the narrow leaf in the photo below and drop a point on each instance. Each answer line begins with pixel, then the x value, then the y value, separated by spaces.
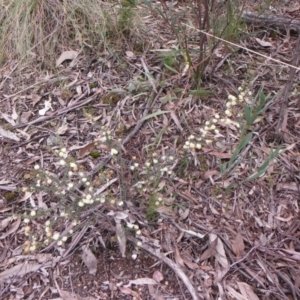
pixel 157 113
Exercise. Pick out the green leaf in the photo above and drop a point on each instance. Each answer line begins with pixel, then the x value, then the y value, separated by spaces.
pixel 157 113
pixel 200 92
pixel 171 69
pixel 240 146
pixel 245 141
pixel 247 111
pixel 263 168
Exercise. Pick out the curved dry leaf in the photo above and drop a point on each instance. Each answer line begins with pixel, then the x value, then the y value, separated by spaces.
pixel 185 214
pixel 210 173
pixel 4 223
pixel 263 43
pixel 89 260
pixel 13 227
pixel 67 55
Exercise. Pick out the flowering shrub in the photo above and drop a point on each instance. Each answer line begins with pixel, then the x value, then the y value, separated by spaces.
pixel 211 131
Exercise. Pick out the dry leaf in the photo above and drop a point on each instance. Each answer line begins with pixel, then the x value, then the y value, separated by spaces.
pixel 13 227
pixel 157 276
pixel 210 251
pixel 130 54
pixel 210 173
pixel 89 260
pixel 35 99
pixel 22 269
pixel 65 295
pixel 155 293
pixel 263 43
pixel 62 129
pixel 8 119
pixel 67 55
pixel 247 291
pixel 4 223
pixel 215 153
pixel 141 281
pixel 121 235
pixel 8 134
pixel 178 257
pixel 235 294
pixel 128 291
pixel 238 245
pixel 164 210
pixel 25 116
pixel 87 149
pixel 185 214
pixel 222 264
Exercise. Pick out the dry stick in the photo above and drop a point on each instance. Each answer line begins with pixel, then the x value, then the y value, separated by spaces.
pixel 177 269
pixel 62 111
pixel 284 97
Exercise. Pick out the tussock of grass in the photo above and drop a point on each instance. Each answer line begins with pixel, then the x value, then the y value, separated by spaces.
pixel 39 29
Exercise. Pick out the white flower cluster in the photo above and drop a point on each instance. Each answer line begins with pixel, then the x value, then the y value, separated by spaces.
pixel 210 128
pixel 69 184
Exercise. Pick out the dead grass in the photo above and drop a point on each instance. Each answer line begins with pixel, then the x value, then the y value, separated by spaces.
pixel 35 31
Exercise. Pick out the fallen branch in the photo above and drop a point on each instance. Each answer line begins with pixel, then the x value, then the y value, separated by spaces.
pixel 274 21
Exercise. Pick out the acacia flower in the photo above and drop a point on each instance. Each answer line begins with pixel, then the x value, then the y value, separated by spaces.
pixel 56 236
pixel 113 151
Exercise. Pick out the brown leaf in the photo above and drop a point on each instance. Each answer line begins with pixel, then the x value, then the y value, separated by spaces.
pixel 130 292
pixel 87 149
pixel 66 55
pixel 210 173
pixel 238 245
pixel 209 252
pixel 157 276
pixel 247 291
pixel 178 257
pixel 216 153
